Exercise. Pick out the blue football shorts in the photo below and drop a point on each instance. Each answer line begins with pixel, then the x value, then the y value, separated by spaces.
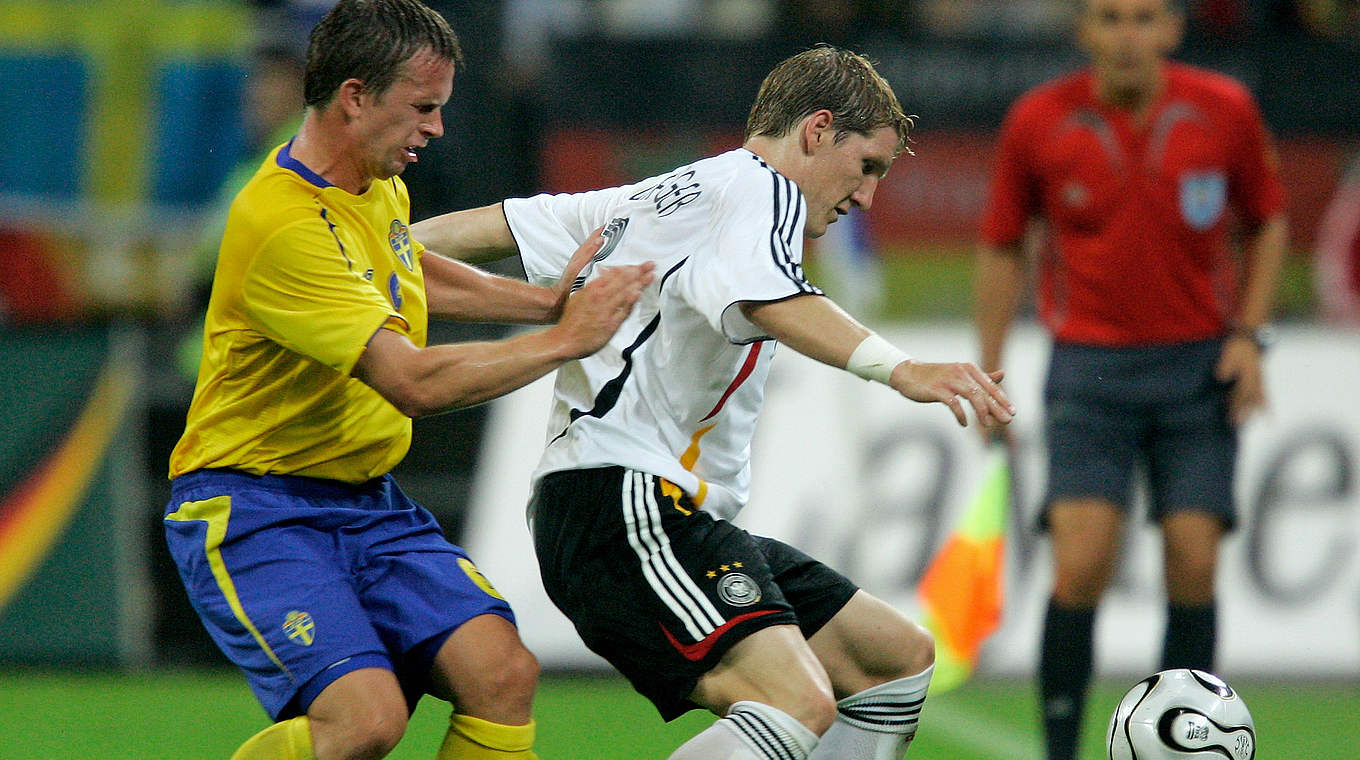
pixel 300 581
pixel 1113 412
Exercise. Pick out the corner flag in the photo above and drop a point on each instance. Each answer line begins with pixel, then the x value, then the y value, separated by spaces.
pixel 961 592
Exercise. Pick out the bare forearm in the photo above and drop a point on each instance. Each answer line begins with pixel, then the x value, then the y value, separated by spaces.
pixel 1266 253
pixel 441 378
pixel 816 327
pixel 421 381
pixel 997 287
pixel 458 291
pixel 475 235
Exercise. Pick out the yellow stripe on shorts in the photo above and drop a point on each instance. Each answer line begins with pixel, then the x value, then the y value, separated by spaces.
pixel 216 512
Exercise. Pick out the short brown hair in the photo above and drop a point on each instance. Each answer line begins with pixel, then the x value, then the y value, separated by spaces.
pixel 370 40
pixel 831 78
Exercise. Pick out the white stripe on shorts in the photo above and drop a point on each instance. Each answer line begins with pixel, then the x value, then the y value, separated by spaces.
pixel 642 522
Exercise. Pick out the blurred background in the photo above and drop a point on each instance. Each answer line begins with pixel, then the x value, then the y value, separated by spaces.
pixel 126 126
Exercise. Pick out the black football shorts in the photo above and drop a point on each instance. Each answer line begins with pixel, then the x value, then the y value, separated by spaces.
pixel 1113 412
pixel 660 588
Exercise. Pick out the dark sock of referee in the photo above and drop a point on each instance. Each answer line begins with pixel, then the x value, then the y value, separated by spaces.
pixel 1065 664
pixel 1190 634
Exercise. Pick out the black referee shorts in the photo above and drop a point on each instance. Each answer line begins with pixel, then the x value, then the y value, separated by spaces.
pixel 1111 412
pixel 660 588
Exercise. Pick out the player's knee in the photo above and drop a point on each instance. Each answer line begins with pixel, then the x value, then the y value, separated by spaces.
pixel 809 701
pixel 800 695
pixel 816 710
pixel 909 649
pixel 918 650
pixel 518 677
pixel 509 681
pixel 369 733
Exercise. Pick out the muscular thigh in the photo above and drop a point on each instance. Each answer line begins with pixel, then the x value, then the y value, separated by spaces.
pixel 869 642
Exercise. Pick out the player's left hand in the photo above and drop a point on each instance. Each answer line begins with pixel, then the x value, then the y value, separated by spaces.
pixel 957 385
pixel 1240 366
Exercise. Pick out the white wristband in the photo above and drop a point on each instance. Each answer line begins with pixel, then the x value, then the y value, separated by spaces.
pixel 875 359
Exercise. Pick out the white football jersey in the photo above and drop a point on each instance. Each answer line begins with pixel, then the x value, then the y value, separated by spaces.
pixel 677 391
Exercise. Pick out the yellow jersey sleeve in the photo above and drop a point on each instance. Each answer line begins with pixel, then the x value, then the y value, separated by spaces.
pixel 302 291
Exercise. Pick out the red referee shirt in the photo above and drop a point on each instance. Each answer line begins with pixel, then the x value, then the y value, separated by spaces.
pixel 1139 217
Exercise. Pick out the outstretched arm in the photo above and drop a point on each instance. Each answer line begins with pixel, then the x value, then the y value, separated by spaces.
pixel 816 327
pixel 458 291
pixel 422 381
pixel 476 235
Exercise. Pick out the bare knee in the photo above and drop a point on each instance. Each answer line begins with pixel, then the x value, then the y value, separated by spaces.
pixel 365 732
pixel 809 703
pixel 905 649
pixel 808 700
pixel 1190 549
pixel 918 651
pixel 818 712
pixel 498 688
pixel 1085 535
pixel 508 683
pixel 485 671
pixel 868 643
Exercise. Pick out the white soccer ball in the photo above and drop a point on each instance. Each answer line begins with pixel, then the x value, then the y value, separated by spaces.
pixel 1181 714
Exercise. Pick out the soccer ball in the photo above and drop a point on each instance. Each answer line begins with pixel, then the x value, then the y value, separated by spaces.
pixel 1181 715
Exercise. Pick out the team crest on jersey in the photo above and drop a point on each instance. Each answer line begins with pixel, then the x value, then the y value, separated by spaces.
pixel 738 590
pixel 1075 195
pixel 394 290
pixel 612 234
pixel 300 628
pixel 400 239
pixel 1204 196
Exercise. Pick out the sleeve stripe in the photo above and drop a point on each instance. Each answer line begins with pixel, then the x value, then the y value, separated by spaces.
pixel 788 214
pixel 330 225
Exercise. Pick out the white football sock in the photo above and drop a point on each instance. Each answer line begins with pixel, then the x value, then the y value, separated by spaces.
pixel 750 731
pixel 877 723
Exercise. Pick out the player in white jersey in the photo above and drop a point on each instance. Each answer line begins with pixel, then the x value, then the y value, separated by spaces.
pixel 649 443
pixel 689 372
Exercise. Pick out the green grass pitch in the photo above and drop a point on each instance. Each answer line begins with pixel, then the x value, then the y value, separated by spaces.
pixel 204 715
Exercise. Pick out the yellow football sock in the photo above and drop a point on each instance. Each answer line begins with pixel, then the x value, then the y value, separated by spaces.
pixel 472 738
pixel 286 740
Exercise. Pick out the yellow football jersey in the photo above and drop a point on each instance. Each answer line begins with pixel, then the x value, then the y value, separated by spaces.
pixel 306 274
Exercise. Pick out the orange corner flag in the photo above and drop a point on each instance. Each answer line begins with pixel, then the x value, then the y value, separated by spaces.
pixel 961 592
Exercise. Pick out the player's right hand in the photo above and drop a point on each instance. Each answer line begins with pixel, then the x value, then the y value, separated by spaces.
pixel 957 385
pixel 594 313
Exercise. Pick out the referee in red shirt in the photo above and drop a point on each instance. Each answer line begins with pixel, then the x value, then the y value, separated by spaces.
pixel 1141 171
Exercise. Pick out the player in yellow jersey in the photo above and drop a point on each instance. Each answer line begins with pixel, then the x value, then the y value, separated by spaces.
pixel 336 595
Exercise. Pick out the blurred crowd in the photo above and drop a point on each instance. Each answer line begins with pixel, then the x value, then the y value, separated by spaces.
pixel 537 67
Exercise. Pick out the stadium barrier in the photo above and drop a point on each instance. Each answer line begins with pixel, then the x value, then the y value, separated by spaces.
pixel 74 587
